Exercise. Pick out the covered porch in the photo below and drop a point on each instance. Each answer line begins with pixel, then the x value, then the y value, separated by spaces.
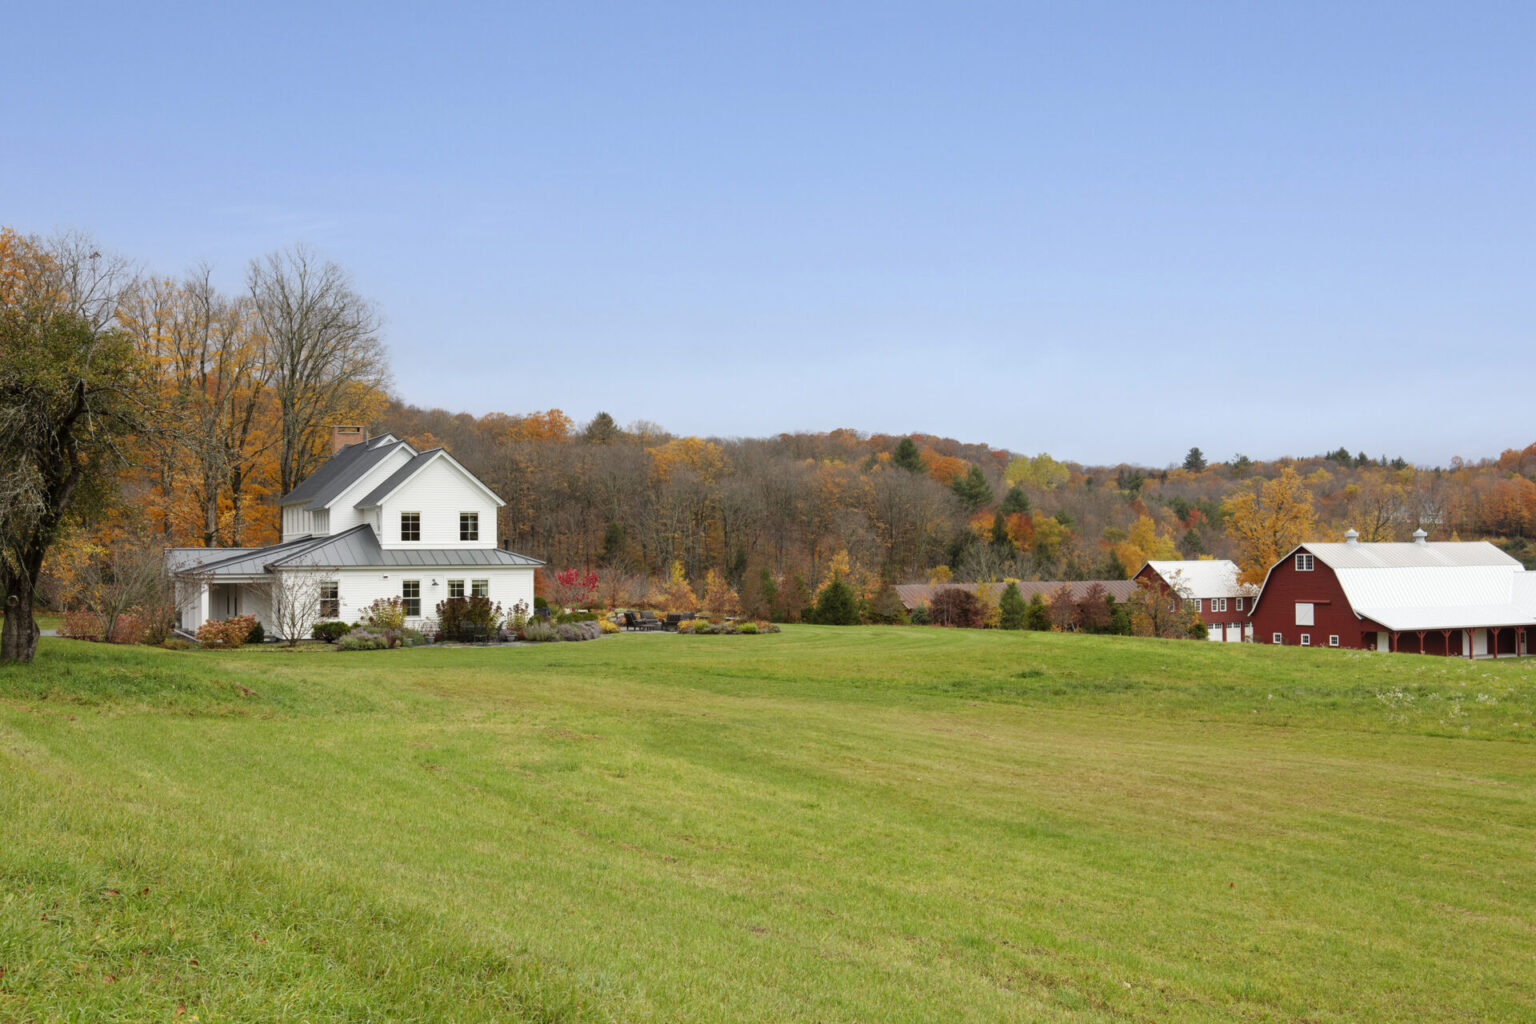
pixel 1503 641
pixel 205 598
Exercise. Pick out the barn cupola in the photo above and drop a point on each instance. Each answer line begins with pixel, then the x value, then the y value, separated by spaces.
pixel 1351 536
pixel 1420 537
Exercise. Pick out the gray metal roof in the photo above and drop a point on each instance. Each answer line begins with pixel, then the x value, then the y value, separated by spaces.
pixel 242 561
pixel 342 470
pixel 184 559
pixel 359 547
pixel 356 548
pixel 397 478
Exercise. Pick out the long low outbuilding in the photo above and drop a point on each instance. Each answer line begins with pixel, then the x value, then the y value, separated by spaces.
pixel 914 594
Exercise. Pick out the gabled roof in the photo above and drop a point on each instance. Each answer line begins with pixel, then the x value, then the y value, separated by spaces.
pixel 1209 577
pixel 342 470
pixel 398 478
pixel 1440 585
pixel 357 548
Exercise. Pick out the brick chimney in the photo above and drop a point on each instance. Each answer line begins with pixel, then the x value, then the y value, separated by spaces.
pixel 341 436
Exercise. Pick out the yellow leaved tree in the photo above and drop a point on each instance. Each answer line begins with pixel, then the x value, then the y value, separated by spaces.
pixel 1266 523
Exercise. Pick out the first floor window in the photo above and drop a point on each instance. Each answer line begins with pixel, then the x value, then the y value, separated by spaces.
pixel 1333 639
pixel 410 596
pixel 1306 639
pixel 330 600
pixel 1277 639
pixel 480 588
pixel 469 526
pixel 410 526
pixel 455 588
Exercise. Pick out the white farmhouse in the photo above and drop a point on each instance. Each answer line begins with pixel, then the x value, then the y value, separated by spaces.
pixel 377 519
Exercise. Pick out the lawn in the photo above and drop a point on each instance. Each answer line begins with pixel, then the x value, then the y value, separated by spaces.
pixel 823 825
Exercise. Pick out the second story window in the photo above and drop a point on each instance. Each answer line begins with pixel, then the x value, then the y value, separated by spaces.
pixel 1303 562
pixel 410 526
pixel 469 526
pixel 1218 604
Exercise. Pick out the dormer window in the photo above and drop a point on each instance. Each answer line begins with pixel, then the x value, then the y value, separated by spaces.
pixel 469 526
pixel 410 526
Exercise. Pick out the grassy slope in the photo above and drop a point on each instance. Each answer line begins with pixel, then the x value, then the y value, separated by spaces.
pixel 829 824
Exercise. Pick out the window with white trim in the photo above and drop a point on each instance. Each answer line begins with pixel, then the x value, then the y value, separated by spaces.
pixel 330 600
pixel 1306 639
pixel 1277 639
pixel 1333 639
pixel 410 596
pixel 480 588
pixel 1218 604
pixel 455 588
pixel 1239 604
pixel 1303 562
pixel 410 526
pixel 1199 605
pixel 1304 616
pixel 469 526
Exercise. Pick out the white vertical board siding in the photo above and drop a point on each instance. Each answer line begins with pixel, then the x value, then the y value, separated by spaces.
pixel 295 522
pixel 361 587
pixel 439 492
pixel 343 515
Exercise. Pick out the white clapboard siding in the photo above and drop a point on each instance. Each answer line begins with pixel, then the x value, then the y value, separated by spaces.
pixel 358 588
pixel 439 492
pixel 343 515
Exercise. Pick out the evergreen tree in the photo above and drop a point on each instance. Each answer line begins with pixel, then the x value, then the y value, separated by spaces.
pixel 1195 460
pixel 836 606
pixel 907 457
pixel 972 489
pixel 1193 545
pixel 1000 538
pixel 1037 616
pixel 1011 607
pixel 885 607
pixel 1016 500
pixel 613 544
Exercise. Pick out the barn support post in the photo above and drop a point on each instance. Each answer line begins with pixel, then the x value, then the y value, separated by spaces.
pixel 1394 641
pixel 1421 633
pixel 1445 635
pixel 1520 641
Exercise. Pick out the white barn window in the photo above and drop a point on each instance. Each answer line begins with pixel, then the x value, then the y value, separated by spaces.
pixel 1304 615
pixel 1277 639
pixel 1333 639
pixel 1303 562
pixel 1306 639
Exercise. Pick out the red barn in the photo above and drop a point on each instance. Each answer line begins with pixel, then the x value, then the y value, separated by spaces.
pixel 1450 597
pixel 1211 584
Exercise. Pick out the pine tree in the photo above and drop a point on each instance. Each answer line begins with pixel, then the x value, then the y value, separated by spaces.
pixel 1195 461
pixel 1012 609
pixel 907 457
pixel 972 489
pixel 1038 615
pixel 836 605
pixel 1016 500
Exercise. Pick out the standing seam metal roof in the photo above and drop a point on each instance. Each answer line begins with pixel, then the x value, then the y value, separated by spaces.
pixel 359 548
pixel 342 470
pixel 1204 578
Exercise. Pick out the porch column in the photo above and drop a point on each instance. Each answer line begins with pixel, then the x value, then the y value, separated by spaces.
pixel 1394 641
pixel 1493 640
pixel 202 604
pixel 1445 635
pixel 1421 640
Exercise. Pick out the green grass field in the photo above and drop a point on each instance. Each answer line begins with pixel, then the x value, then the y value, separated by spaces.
pixel 824 825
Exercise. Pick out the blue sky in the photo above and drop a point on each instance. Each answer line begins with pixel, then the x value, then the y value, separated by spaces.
pixel 1104 230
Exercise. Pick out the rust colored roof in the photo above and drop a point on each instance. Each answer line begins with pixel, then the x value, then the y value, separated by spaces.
pixel 914 594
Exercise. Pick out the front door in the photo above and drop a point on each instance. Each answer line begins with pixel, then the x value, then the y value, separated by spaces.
pixel 223 600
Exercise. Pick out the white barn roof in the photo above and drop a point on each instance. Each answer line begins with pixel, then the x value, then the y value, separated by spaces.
pixel 1204 578
pixel 1441 585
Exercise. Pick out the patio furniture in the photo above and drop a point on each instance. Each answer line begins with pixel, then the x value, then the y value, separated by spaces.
pixel 649 621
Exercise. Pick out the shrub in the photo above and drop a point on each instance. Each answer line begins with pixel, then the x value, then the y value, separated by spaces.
pixel 225 633
pixel 576 617
pixel 463 618
pixel 749 628
pixel 518 617
pixel 386 616
pixel 538 631
pixel 836 605
pixel 256 635
pixel 957 607
pixel 578 630
pixel 176 643
pixel 330 632
pixel 362 639
pixel 81 625
pixel 128 629
pixel 885 608
pixel 608 626
pixel 920 615
pixel 159 622
pixel 539 602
